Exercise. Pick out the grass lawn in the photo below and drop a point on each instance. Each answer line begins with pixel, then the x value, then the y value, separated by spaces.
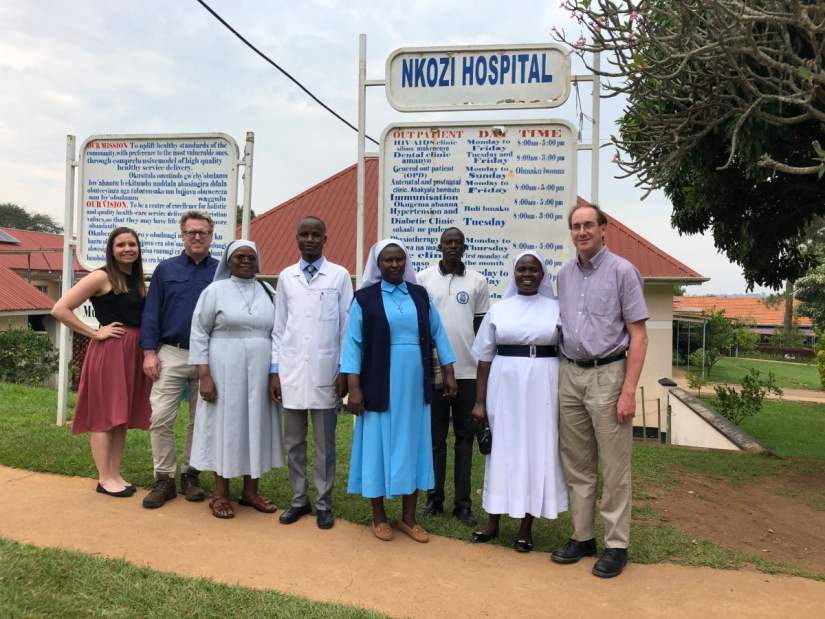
pixel 47 582
pixel 30 440
pixel 788 375
pixel 794 429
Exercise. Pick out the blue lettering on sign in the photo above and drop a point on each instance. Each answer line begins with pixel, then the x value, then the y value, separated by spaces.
pixel 479 70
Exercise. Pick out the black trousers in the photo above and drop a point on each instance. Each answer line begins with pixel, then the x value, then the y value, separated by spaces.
pixel 460 410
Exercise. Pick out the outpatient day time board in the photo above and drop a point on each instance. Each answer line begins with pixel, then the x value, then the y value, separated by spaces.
pixel 507 185
pixel 147 183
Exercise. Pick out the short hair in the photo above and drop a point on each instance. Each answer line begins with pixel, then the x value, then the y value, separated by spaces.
pixel 312 218
pixel 601 218
pixel 450 229
pixel 202 215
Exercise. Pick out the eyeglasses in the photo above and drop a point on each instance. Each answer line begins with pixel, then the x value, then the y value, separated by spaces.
pixel 243 258
pixel 195 233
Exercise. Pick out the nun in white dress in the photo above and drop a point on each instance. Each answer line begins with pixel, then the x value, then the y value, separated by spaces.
pixel 239 429
pixel 517 392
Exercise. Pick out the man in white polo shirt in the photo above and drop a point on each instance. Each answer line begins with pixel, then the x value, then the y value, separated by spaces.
pixel 462 298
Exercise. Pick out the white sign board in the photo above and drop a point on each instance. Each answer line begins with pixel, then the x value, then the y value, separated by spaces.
pixel 507 185
pixel 147 183
pixel 85 312
pixel 477 78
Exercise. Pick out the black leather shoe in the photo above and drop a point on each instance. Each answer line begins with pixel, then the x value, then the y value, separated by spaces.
pixel 611 563
pixel 465 516
pixel 431 508
pixel 574 550
pixel 325 519
pixel 480 537
pixel 121 494
pixel 293 514
pixel 522 545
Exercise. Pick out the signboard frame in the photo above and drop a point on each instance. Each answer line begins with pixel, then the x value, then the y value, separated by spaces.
pixel 469 105
pixel 572 191
pixel 232 190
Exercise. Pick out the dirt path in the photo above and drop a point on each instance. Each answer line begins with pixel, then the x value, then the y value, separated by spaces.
pixel 348 565
pixel 771 517
pixel 795 395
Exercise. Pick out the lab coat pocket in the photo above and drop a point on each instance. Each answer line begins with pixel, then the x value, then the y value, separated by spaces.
pixel 329 305
pixel 291 367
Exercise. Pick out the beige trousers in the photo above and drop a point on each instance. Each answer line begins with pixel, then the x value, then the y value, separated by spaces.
pixel 589 433
pixel 175 374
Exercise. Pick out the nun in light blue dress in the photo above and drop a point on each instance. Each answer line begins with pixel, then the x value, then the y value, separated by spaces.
pixel 392 449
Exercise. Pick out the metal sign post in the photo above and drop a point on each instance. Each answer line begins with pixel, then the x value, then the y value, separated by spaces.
pixel 64 333
pixel 248 150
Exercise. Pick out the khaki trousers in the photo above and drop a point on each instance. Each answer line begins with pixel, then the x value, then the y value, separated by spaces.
pixel 588 433
pixel 175 374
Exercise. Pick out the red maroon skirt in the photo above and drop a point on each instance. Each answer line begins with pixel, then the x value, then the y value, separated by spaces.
pixel 113 389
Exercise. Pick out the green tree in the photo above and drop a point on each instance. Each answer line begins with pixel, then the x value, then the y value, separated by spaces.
pixel 13 216
pixel 737 404
pixel 724 112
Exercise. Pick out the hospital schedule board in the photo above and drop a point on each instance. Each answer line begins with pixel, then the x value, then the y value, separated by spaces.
pixel 147 183
pixel 507 185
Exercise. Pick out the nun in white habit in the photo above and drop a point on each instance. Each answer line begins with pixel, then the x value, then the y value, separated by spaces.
pixel 239 430
pixel 517 392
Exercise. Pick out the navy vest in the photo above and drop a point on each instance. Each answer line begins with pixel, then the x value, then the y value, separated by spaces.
pixel 375 363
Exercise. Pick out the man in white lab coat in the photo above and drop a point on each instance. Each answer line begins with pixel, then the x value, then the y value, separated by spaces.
pixel 311 306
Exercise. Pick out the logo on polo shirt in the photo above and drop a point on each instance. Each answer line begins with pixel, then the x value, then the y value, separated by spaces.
pixel 462 297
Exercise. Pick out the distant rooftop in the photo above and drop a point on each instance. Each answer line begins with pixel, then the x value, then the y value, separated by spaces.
pixel 747 308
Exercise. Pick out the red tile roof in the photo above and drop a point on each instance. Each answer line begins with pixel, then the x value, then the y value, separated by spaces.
pixel 750 309
pixel 17 295
pixel 31 242
pixel 334 201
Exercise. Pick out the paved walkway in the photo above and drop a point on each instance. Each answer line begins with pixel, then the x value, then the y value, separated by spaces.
pixel 796 395
pixel 446 577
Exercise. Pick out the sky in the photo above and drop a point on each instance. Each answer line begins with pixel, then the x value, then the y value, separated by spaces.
pixel 167 66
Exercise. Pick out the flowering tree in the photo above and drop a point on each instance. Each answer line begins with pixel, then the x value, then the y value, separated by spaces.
pixel 725 107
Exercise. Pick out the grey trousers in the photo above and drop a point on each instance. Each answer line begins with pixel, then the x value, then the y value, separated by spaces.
pixel 589 433
pixel 175 374
pixel 295 442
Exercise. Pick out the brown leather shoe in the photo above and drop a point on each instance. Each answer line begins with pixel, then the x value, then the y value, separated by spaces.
pixel 416 532
pixel 190 486
pixel 162 491
pixel 382 531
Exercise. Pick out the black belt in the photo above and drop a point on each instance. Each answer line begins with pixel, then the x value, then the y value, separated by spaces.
pixel 526 350
pixel 594 363
pixel 175 343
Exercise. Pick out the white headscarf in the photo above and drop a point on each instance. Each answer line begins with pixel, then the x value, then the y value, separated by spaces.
pixel 546 286
pixel 372 274
pixel 222 272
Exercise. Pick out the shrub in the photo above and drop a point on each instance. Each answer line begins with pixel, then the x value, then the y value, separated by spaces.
pixel 736 405
pixel 26 357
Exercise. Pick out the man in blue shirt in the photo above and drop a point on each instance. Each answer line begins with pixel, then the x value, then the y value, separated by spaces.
pixel 164 336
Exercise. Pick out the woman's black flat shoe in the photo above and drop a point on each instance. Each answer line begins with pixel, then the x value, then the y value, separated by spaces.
pixel 126 492
pixel 480 537
pixel 522 545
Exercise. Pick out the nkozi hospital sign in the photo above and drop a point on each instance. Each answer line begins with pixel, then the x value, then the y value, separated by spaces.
pixel 492 77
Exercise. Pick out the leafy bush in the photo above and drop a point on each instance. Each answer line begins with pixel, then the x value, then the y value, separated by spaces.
pixel 820 357
pixel 26 357
pixel 736 405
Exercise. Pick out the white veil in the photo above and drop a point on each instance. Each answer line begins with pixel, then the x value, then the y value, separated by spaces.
pixel 222 272
pixel 546 286
pixel 372 275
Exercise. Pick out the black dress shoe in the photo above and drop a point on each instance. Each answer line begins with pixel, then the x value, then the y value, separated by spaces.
pixel 574 550
pixel 293 514
pixel 126 492
pixel 611 563
pixel 522 545
pixel 465 516
pixel 480 537
pixel 325 519
pixel 431 508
